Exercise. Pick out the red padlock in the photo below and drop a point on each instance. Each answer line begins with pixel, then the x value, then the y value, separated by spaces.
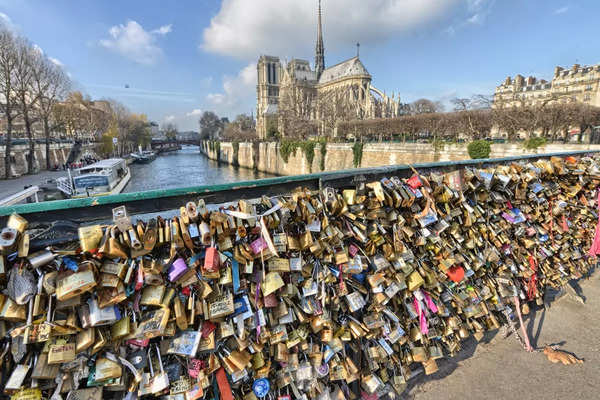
pixel 139 280
pixel 212 260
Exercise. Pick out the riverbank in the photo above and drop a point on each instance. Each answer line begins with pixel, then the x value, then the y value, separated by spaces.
pixel 185 167
pixel 59 154
pixel 268 156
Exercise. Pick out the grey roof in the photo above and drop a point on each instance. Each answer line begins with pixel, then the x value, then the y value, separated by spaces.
pixel 348 68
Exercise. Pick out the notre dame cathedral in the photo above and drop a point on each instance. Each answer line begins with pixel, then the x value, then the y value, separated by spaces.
pixel 321 97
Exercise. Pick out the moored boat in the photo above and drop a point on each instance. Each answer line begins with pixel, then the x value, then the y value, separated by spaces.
pixel 99 179
pixel 143 157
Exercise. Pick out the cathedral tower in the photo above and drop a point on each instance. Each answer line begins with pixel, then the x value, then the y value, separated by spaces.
pixel 320 50
pixel 267 91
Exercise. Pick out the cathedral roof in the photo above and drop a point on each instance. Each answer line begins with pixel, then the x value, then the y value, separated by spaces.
pixel 345 69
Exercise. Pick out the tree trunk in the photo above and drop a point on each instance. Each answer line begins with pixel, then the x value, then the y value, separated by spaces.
pixel 31 143
pixel 8 146
pixel 47 136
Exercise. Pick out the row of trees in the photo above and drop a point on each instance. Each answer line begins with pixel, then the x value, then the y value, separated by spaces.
pixel 242 128
pixel 30 87
pixel 474 118
pixel 34 91
pixel 104 120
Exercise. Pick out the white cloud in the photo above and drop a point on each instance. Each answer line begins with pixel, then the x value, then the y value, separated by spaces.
pixel 238 92
pixel 124 91
pixel 561 10
pixel 38 49
pixel 56 61
pixel 134 42
pixel 169 118
pixel 475 13
pixel 163 30
pixel 245 29
pixel 450 31
pixel 479 10
pixel 195 112
pixel 6 22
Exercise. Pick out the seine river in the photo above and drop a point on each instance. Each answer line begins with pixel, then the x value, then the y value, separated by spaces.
pixel 186 167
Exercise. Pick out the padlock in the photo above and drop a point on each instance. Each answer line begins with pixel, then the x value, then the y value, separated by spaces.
pixel 69 285
pixel 61 353
pixel 180 314
pixel 107 369
pixel 90 237
pixel 177 269
pixel 16 222
pixel 8 240
pixel 212 260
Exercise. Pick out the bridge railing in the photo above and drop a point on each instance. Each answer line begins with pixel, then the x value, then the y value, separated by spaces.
pixel 100 208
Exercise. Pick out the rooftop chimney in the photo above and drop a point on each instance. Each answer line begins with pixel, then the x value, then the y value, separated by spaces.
pixel 557 71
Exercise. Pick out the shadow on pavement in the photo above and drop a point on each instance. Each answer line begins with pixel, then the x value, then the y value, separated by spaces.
pixel 534 323
pixel 448 365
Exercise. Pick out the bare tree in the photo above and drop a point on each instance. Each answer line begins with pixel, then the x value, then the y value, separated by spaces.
pixel 50 85
pixel 337 105
pixel 72 114
pixel 10 109
pixel 425 106
pixel 26 59
pixel 482 101
pixel 210 125
pixel 242 129
pixel 170 130
pixel 295 110
pixel 123 123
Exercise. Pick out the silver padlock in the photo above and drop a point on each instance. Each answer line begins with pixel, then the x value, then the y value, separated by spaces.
pixel 8 240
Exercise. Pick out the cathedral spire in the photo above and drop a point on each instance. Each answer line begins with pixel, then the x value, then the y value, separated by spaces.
pixel 320 50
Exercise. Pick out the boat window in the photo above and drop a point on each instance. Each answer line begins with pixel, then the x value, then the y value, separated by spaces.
pixel 82 182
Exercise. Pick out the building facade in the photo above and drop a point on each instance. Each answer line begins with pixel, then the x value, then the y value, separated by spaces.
pixel 322 95
pixel 577 84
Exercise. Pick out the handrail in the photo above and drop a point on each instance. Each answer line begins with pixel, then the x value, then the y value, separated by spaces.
pixel 20 196
pixel 95 208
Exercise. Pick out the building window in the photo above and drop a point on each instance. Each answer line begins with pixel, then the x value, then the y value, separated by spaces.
pixel 587 97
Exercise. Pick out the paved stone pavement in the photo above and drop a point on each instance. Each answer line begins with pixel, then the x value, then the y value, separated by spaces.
pixel 498 368
pixel 12 186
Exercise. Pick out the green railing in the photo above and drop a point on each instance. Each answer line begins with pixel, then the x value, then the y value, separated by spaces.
pixel 100 208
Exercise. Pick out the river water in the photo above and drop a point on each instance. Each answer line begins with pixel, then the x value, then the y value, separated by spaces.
pixel 186 167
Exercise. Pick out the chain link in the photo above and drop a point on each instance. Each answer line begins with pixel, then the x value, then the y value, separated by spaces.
pixel 512 326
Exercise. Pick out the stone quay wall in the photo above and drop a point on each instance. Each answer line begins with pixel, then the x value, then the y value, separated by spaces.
pixel 265 156
pixel 59 152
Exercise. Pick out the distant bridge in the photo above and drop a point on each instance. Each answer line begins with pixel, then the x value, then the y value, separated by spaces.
pixel 162 146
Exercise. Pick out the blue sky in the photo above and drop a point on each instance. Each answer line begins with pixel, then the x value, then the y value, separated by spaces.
pixel 183 57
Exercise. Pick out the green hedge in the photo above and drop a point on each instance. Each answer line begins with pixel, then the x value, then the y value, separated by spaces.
pixel 289 147
pixel 479 149
pixel 357 152
pixel 534 143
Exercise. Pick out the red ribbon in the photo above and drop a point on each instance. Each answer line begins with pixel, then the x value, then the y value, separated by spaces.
pixel 595 249
pixel 532 282
pixel 223 383
pixel 565 225
pixel 551 223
